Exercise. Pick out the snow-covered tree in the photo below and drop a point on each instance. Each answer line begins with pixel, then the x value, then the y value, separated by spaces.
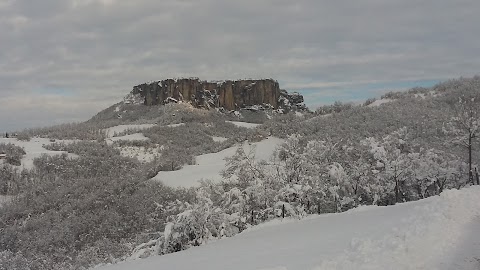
pixel 393 162
pixel 192 227
pixel 243 168
pixel 433 171
pixel 464 126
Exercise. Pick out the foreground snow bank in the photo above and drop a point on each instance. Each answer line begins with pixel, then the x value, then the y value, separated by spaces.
pixel 427 238
pixel 427 234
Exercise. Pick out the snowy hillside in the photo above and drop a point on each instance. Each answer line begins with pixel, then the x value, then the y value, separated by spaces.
pixel 209 166
pixel 104 201
pixel 379 102
pixel 440 232
pixel 35 148
pixel 244 124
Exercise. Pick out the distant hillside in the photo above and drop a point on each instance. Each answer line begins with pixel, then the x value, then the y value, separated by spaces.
pixel 238 99
pixel 105 190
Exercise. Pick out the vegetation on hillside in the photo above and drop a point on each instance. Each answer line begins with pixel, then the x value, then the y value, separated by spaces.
pixel 100 207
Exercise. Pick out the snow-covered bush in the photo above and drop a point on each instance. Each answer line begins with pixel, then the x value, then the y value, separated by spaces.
pixel 14 153
pixel 199 223
pixel 74 213
pixel 14 261
pixel 81 131
pixel 13 180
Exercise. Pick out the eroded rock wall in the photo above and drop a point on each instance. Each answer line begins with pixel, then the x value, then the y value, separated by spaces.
pixel 230 95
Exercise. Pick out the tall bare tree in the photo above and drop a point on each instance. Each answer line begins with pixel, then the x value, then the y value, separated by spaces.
pixel 464 126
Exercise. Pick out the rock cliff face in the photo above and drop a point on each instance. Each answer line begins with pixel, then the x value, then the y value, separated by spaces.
pixel 230 95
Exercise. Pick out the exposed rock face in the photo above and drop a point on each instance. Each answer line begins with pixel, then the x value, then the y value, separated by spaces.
pixel 291 102
pixel 230 95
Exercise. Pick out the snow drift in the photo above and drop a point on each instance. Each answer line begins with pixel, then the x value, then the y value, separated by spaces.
pixel 434 233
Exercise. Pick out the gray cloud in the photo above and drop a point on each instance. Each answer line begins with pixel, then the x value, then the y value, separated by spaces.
pixel 76 51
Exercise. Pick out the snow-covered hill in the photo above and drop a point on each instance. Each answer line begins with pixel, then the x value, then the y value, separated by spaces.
pixel 440 232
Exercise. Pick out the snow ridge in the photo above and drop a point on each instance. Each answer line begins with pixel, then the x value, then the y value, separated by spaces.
pixel 425 234
pixel 430 233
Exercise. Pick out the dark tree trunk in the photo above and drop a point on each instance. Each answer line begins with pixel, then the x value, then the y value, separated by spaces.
pixel 396 191
pixel 476 176
pixel 470 173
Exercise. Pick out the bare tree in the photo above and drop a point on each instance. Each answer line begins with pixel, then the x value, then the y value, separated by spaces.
pixel 464 126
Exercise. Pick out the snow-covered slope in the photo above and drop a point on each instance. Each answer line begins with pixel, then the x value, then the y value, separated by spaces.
pixel 122 128
pixel 141 153
pixel 34 149
pixel 244 124
pixel 436 233
pixel 209 166
pixel 130 137
pixel 379 102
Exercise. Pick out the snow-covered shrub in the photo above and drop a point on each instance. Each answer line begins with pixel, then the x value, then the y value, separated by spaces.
pixel 24 136
pixel 14 153
pixel 12 261
pixel 13 180
pixel 83 211
pixel 196 225
pixel 82 131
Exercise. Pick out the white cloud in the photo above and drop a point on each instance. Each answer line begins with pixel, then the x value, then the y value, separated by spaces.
pixel 103 47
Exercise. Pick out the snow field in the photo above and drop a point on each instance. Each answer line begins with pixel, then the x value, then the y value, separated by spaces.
pixel 141 153
pixel 122 128
pixel 244 124
pixel 425 239
pixel 379 102
pixel 130 137
pixel 219 139
pixel 34 149
pixel 426 234
pixel 209 166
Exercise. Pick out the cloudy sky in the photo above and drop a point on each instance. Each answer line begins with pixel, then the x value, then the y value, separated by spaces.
pixel 65 60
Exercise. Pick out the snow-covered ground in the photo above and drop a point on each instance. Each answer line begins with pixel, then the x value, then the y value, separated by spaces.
pixel 112 131
pixel 299 114
pixel 5 199
pixel 244 124
pixel 34 149
pixel 379 102
pixel 219 139
pixel 440 232
pixel 317 117
pixel 175 125
pixel 209 166
pixel 130 137
pixel 420 95
pixel 122 128
pixel 141 153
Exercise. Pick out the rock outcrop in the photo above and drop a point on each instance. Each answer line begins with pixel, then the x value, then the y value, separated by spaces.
pixel 230 95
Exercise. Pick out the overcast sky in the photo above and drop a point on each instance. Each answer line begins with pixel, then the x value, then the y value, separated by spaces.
pixel 65 60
